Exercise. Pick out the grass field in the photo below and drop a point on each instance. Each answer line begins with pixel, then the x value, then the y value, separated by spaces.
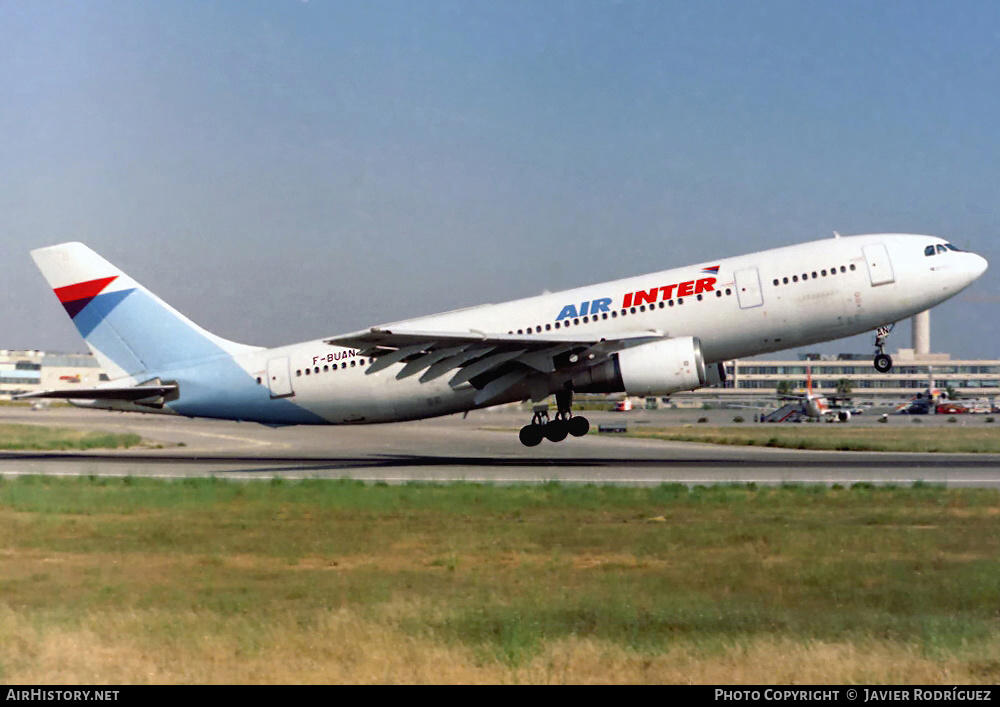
pixel 36 437
pixel 207 581
pixel 880 438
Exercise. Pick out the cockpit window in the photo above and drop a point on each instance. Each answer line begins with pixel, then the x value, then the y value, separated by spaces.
pixel 941 248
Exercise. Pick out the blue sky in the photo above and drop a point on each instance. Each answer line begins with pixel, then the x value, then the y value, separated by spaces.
pixel 281 171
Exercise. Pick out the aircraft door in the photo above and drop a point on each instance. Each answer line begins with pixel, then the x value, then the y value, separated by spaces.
pixel 748 290
pixel 279 377
pixel 879 265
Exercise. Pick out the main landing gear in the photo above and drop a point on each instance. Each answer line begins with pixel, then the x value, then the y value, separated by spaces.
pixel 554 430
pixel 883 361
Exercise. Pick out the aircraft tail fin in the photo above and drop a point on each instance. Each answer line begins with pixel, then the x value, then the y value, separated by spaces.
pixel 128 328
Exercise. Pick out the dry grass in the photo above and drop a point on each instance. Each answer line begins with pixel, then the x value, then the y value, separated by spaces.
pixel 38 437
pixel 141 581
pixel 344 647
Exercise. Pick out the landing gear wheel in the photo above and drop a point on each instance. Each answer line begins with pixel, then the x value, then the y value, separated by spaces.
pixel 531 435
pixel 578 426
pixel 556 430
pixel 883 362
pixel 562 424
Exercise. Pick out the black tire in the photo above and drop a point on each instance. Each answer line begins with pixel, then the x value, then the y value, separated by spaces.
pixel 578 426
pixel 883 363
pixel 531 435
pixel 556 431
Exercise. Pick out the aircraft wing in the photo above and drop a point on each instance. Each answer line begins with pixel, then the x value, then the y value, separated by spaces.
pixel 492 363
pixel 132 393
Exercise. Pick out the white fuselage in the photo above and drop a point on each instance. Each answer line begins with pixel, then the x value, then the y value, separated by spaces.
pixel 737 307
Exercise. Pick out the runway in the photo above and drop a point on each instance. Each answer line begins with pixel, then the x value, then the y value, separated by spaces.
pixel 481 448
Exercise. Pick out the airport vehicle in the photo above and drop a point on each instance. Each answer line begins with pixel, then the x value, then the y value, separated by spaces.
pixel 923 403
pixel 654 334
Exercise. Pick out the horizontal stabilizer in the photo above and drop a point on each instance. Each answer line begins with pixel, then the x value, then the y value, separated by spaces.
pixel 129 393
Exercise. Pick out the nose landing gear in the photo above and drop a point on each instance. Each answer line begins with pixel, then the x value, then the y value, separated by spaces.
pixel 555 430
pixel 883 361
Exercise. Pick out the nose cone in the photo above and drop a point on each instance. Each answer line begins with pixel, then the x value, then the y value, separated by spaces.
pixel 978 266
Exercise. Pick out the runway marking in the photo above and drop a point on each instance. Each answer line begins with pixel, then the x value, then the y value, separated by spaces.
pixel 262 443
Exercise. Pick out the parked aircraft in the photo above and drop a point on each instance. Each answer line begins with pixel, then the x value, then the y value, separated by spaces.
pixel 808 406
pixel 654 334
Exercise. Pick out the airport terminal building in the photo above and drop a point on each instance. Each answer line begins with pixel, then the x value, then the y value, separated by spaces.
pixel 911 373
pixel 914 370
pixel 30 371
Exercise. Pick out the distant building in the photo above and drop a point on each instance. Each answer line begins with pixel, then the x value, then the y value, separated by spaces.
pixel 911 373
pixel 29 371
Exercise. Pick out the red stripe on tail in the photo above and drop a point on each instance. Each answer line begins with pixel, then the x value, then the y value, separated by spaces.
pixel 83 290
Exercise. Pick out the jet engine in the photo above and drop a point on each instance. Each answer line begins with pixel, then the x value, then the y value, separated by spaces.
pixel 660 368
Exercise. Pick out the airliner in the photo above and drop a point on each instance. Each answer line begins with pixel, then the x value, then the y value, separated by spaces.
pixel 654 334
pixel 808 406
